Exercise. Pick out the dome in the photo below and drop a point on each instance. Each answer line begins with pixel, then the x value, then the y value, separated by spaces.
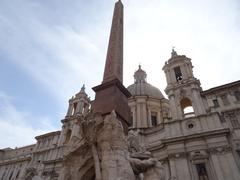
pixel 141 87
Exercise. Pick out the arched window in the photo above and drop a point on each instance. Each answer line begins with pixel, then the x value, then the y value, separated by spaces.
pixel 68 135
pixel 178 73
pixel 187 107
pixel 74 108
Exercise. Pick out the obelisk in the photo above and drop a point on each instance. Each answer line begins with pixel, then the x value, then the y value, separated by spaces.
pixel 111 94
pixel 114 61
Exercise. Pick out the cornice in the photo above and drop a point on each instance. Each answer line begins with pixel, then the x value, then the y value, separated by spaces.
pixel 15 160
pixel 196 135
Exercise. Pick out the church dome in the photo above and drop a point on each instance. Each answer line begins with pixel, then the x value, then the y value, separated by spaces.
pixel 141 87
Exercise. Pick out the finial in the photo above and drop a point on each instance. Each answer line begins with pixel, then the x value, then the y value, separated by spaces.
pixel 174 53
pixel 83 88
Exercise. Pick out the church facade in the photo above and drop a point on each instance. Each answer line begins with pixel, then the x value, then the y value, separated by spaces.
pixel 136 133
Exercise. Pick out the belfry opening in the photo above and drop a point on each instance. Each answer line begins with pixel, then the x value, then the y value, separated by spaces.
pixel 187 108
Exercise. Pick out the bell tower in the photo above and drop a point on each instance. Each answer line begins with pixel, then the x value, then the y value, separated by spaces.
pixel 79 105
pixel 183 89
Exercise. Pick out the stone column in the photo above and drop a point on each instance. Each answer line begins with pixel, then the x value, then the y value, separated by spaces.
pixel 167 76
pixel 144 118
pixel 158 117
pixel 183 172
pixel 179 111
pixel 198 104
pixel 217 167
pixel 134 117
pixel 172 76
pixel 173 107
pixel 184 71
pixel 189 71
pixel 149 118
pixel 62 135
pixel 69 112
pixel 138 124
pixel 173 171
pixel 233 166
pixel 75 130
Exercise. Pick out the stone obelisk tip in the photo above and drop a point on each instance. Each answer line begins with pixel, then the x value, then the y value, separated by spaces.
pixel 114 61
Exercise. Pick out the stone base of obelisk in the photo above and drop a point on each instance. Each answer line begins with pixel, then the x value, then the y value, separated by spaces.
pixel 112 95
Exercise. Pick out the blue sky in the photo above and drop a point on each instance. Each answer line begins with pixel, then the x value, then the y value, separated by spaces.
pixel 48 49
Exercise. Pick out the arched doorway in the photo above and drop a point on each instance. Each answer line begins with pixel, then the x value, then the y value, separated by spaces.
pixel 90 174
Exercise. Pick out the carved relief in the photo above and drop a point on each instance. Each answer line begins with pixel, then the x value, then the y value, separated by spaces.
pixel 30 173
pixel 177 155
pixel 220 150
pixel 51 174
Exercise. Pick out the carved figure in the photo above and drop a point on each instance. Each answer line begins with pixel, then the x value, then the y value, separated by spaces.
pixel 30 173
pixel 144 166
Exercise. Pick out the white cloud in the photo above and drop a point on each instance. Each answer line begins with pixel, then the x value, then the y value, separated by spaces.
pixel 206 31
pixel 55 56
pixel 58 56
pixel 17 127
pixel 62 56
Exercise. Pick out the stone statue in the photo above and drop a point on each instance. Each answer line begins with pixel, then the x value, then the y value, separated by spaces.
pixel 144 166
pixel 113 150
pixel 112 154
pixel 31 174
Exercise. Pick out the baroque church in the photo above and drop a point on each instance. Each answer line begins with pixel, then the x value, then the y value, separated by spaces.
pixel 136 133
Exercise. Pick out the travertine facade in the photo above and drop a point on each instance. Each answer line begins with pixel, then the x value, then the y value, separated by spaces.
pixel 191 135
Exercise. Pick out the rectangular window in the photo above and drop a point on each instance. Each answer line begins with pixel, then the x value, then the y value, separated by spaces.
pixel 238 152
pixel 237 95
pixel 178 73
pixel 131 118
pixel 215 103
pixel 154 118
pixel 202 172
pixel 222 118
pixel 234 121
pixel 225 100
